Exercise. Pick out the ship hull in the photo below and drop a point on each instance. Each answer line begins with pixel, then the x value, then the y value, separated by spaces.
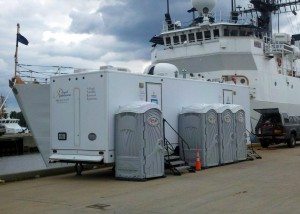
pixel 34 101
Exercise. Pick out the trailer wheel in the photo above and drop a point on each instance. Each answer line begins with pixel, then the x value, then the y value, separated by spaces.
pixel 264 143
pixel 292 141
pixel 78 168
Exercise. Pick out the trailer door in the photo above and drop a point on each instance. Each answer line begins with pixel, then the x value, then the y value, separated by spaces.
pixel 76 117
pixel 154 93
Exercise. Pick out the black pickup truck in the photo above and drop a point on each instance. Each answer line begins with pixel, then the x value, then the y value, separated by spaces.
pixel 275 127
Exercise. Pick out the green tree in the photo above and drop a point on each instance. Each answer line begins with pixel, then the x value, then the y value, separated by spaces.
pixel 18 115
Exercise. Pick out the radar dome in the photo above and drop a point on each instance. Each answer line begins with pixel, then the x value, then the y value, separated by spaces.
pixel 204 6
pixel 162 69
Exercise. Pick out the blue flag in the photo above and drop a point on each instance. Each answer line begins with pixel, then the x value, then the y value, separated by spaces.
pixel 22 39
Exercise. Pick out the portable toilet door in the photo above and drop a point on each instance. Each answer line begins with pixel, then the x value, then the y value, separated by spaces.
pixel 212 148
pixel 139 142
pixel 226 134
pixel 240 132
pixel 198 127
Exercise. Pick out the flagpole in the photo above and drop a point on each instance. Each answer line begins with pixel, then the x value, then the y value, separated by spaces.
pixel 17 47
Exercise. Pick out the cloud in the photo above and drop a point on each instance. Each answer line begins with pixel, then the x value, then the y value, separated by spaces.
pixel 87 33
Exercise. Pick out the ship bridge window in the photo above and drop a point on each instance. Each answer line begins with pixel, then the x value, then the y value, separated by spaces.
pixel 249 33
pixel 183 38
pixel 168 41
pixel 226 32
pixel 216 33
pixel 242 33
pixel 191 37
pixel 176 40
pixel 207 35
pixel 199 36
pixel 234 33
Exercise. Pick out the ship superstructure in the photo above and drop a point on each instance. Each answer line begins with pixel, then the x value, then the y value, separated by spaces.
pixel 236 51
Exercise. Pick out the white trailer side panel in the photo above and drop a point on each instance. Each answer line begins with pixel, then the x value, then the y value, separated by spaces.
pixel 79 108
pixel 176 93
pixel 87 104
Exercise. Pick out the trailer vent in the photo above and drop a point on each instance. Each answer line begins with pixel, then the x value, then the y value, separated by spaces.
pixel 92 136
pixel 62 136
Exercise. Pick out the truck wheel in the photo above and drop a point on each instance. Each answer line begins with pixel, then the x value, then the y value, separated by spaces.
pixel 264 143
pixel 292 141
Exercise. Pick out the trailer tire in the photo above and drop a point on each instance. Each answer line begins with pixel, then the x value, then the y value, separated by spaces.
pixel 264 143
pixel 292 141
pixel 78 168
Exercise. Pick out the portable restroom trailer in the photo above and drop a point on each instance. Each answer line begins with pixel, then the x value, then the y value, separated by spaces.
pixel 198 126
pixel 83 107
pixel 227 140
pixel 240 132
pixel 139 150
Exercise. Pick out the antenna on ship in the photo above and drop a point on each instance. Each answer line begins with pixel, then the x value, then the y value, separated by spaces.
pixel 168 7
pixel 234 13
pixel 265 8
pixel 168 19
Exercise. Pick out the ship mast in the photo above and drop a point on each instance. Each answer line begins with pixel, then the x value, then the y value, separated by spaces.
pixel 265 8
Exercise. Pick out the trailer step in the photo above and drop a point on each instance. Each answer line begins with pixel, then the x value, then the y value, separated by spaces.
pixel 177 163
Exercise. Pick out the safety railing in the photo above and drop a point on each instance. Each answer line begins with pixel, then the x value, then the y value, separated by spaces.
pixel 181 141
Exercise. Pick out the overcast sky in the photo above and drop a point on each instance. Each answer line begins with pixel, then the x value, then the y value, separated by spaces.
pixel 84 33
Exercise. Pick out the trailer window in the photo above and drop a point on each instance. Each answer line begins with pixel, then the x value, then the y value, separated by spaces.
pixel 183 38
pixel 176 40
pixel 207 35
pixel 199 36
pixel 168 41
pixel 191 37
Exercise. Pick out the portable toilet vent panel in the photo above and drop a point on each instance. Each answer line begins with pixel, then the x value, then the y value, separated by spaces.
pixel 139 142
pixel 199 128
pixel 226 134
pixel 240 132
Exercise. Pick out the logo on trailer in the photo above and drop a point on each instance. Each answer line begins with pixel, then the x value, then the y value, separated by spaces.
pixel 62 93
pixel 153 121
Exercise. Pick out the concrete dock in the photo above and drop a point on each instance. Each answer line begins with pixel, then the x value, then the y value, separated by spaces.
pixel 269 185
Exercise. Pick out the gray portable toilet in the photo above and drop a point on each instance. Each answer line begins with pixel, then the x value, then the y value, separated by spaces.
pixel 240 132
pixel 139 148
pixel 227 141
pixel 198 126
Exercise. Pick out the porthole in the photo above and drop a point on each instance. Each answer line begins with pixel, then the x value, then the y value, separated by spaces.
pixel 243 81
pixel 275 83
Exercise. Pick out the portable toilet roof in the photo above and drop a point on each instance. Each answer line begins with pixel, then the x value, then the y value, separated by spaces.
pixel 197 108
pixel 235 108
pixel 220 108
pixel 138 107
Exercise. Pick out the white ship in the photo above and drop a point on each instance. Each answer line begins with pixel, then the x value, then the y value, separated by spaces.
pixel 12 126
pixel 238 52
pixel 235 51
